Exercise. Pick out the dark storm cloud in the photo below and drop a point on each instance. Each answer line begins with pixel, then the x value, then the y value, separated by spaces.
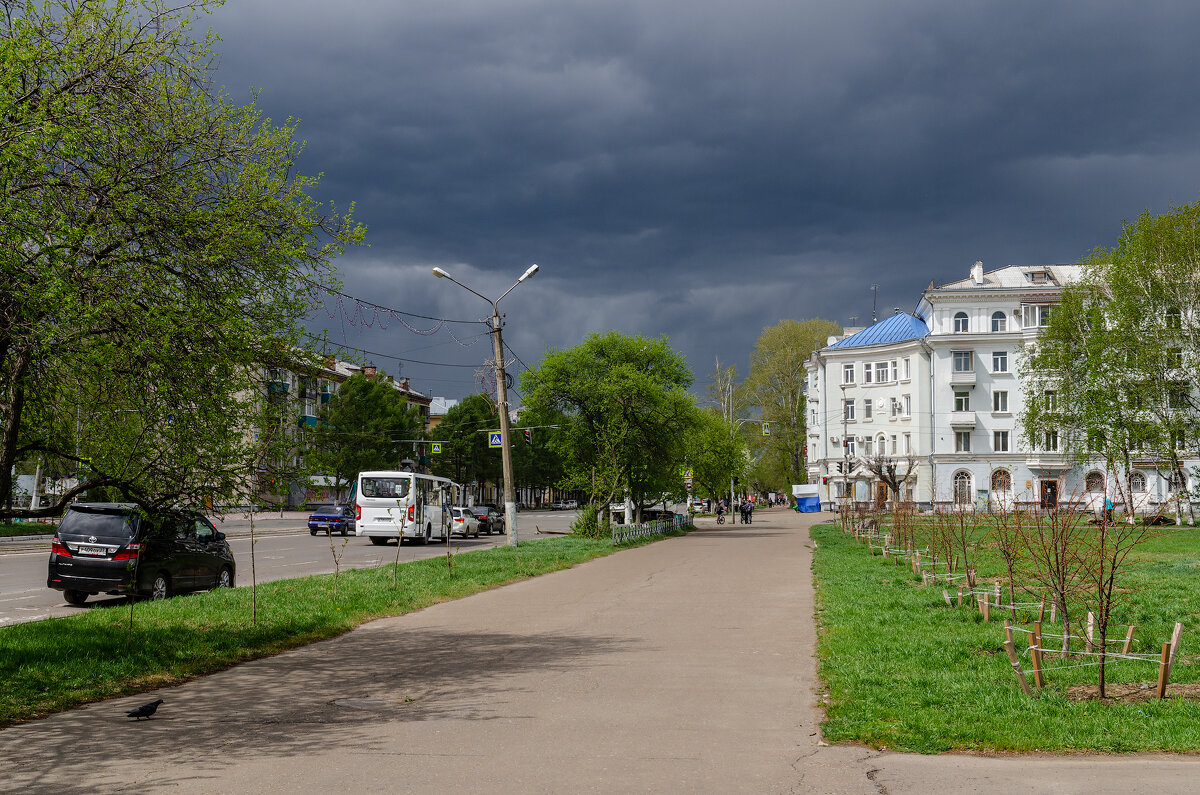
pixel 705 169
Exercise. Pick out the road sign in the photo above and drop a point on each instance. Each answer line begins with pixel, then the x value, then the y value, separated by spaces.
pixel 766 429
pixel 437 447
pixel 494 439
pixel 688 485
pixel 686 472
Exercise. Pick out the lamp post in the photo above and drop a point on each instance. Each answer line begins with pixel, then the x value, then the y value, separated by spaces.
pixel 845 457
pixel 510 503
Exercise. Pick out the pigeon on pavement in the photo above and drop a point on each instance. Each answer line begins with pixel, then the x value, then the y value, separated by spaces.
pixel 145 710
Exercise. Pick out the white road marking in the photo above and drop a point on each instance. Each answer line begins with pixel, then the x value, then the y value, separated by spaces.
pixel 303 563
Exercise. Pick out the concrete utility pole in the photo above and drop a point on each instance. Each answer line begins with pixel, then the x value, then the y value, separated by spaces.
pixel 845 452
pixel 510 502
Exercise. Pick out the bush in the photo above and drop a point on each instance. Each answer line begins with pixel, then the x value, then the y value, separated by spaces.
pixel 588 524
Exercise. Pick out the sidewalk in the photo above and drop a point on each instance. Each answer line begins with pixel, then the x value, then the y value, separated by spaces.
pixel 682 666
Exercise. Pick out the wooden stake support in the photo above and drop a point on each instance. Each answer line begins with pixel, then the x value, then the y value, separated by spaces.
pixel 1053 608
pixel 986 604
pixel 1091 629
pixel 960 596
pixel 1035 654
pixel 946 595
pixel 1128 639
pixel 1164 670
pixel 1016 664
pixel 1175 635
pixel 1042 611
pixel 1007 632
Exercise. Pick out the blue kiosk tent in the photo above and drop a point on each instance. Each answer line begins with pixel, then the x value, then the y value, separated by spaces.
pixel 807 499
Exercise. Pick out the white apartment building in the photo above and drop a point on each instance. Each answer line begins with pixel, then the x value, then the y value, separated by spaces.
pixel 978 330
pixel 868 394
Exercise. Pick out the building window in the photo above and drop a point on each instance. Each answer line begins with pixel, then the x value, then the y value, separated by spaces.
pixel 1094 482
pixel 1137 481
pixel 908 405
pixel 962 441
pixel 1000 441
pixel 1176 482
pixel 847 374
pixel 962 401
pixel 908 444
pixel 867 407
pixel 999 361
pixel 840 489
pixel 894 407
pixel 1050 441
pixel 868 447
pixel 1051 400
pixel 999 321
pixel 883 372
pixel 962 488
pixel 1036 315
pixel 867 377
pixel 1000 401
pixel 813 416
pixel 963 362
pixel 1173 317
pixel 847 409
pixel 851 447
pixel 961 324
pixel 1001 481
pixel 907 371
pixel 893 443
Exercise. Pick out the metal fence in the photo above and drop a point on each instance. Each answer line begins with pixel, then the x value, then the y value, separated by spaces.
pixel 628 532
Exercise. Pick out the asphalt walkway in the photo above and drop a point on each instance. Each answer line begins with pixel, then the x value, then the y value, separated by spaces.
pixel 682 666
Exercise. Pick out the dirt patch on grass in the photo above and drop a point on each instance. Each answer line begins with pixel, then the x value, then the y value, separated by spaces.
pixel 1127 693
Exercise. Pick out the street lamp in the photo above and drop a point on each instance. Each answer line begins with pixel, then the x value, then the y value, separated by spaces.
pixel 510 503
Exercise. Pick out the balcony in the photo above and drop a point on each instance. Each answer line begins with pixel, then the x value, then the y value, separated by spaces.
pixel 1045 460
pixel 962 378
pixel 962 419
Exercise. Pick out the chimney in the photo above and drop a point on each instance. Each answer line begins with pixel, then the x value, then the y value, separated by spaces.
pixel 977 273
pixel 404 384
pixel 369 370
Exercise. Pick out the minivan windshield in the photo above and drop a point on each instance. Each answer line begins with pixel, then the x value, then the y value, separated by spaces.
pixel 393 488
pixel 106 526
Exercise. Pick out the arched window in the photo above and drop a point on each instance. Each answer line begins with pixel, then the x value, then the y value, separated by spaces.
pixel 962 488
pixel 999 321
pixel 1001 481
pixel 1137 481
pixel 960 322
pixel 1094 482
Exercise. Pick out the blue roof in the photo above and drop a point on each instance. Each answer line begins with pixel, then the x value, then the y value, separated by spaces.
pixel 897 328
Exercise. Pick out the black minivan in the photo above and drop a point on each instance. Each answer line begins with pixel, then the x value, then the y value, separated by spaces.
pixel 102 547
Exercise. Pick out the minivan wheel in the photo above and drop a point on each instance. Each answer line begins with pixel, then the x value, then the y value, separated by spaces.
pixel 161 589
pixel 378 541
pixel 75 597
pixel 225 578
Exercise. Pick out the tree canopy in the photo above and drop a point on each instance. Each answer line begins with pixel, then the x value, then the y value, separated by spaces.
pixel 156 247
pixel 465 455
pixel 625 414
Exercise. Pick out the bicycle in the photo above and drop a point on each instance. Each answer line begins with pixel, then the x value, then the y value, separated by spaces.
pixel 720 518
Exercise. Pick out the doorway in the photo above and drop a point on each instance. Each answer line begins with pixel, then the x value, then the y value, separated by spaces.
pixel 1050 494
pixel 881 495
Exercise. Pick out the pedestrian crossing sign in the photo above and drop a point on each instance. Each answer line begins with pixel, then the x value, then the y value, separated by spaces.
pixel 494 440
pixel 437 447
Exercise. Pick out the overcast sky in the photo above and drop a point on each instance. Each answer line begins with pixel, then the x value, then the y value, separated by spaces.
pixel 704 169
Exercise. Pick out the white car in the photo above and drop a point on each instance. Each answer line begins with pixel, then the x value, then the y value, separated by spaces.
pixel 463 522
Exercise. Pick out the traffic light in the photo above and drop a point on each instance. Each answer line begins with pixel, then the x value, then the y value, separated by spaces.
pixel 825 480
pixel 529 436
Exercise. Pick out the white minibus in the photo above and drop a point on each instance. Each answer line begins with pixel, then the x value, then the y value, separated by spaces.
pixel 403 505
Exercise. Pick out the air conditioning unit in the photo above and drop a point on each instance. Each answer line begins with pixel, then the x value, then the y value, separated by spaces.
pixel 834 440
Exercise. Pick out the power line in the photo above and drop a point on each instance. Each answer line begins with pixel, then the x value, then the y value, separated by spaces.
pixel 381 308
pixel 387 355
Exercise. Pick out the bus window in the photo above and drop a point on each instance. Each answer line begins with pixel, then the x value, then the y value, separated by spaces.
pixel 387 488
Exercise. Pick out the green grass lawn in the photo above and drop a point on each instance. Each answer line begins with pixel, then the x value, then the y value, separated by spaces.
pixel 52 665
pixel 27 529
pixel 907 672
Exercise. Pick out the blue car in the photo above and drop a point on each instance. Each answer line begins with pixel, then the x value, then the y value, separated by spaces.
pixel 331 519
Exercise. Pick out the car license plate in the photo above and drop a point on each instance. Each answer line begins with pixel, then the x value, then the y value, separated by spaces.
pixel 83 550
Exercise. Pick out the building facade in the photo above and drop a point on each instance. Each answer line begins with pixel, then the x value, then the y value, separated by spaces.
pixel 943 385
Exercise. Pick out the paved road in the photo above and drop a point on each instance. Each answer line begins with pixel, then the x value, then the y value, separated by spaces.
pixel 682 666
pixel 284 549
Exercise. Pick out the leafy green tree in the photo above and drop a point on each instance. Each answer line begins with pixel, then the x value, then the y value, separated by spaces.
pixel 715 452
pixel 362 428
pixel 1115 372
pixel 537 465
pixel 776 386
pixel 465 455
pixel 156 247
pixel 625 408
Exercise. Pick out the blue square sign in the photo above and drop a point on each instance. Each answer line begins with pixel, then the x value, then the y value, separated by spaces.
pixel 437 447
pixel 494 440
